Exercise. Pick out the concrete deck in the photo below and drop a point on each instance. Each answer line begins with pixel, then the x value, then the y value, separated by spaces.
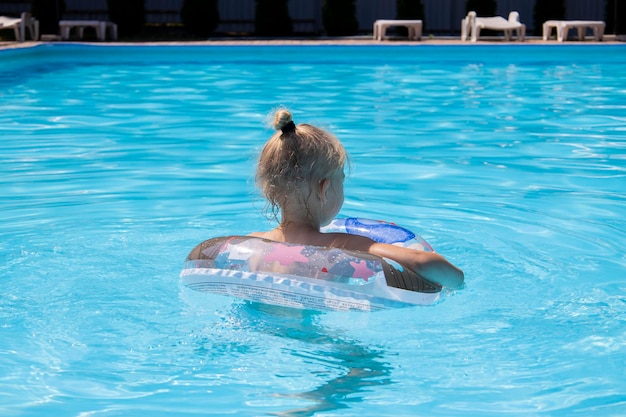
pixel 358 40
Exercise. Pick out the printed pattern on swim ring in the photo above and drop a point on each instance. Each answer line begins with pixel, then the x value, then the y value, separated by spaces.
pixel 251 254
pixel 379 231
pixel 305 276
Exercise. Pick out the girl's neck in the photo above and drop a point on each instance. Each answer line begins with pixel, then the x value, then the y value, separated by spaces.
pixel 297 231
pixel 296 226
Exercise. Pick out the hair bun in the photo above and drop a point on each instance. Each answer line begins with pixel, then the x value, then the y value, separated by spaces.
pixel 282 118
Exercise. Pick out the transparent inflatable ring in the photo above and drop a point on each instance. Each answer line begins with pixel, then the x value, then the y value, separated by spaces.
pixel 312 277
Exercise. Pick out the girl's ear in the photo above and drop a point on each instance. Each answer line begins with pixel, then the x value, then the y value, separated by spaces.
pixel 323 189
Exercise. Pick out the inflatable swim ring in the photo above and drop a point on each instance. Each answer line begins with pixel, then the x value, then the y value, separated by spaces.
pixel 311 277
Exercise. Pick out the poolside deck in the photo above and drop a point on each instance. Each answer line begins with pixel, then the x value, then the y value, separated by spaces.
pixel 357 40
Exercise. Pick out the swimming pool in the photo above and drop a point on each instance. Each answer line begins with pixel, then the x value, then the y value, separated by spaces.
pixel 116 161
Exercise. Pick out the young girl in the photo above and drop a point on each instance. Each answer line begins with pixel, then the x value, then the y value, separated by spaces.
pixel 300 172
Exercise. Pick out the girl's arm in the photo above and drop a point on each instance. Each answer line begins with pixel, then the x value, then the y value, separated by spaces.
pixel 428 265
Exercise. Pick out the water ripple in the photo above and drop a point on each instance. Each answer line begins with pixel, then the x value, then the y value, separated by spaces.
pixel 117 161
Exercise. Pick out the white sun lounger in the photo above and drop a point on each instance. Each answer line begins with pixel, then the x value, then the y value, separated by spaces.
pixel 414 27
pixel 20 24
pixel 100 27
pixel 564 26
pixel 472 25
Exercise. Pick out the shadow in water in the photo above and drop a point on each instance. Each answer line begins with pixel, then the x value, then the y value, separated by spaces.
pixel 362 365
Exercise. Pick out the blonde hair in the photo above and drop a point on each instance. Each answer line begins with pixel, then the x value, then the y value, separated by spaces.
pixel 294 158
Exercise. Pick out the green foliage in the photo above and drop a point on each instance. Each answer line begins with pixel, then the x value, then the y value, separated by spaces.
pixel 130 16
pixel 339 17
pixel 410 10
pixel 272 18
pixel 547 10
pixel 48 12
pixel 615 16
pixel 200 17
pixel 482 7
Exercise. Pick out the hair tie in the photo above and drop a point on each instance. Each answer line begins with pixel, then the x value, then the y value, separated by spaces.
pixel 289 127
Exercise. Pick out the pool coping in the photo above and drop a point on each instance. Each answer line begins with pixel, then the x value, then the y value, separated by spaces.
pixel 364 40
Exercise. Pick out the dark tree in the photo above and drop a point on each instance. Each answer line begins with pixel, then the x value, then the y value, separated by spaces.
pixel 339 17
pixel 547 10
pixel 200 17
pixel 410 10
pixel 48 12
pixel 615 16
pixel 129 15
pixel 272 18
pixel 482 7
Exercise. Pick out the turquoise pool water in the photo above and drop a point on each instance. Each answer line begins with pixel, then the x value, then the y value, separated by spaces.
pixel 116 161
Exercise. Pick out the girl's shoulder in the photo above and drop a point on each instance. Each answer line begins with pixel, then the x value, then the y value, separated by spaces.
pixel 329 240
pixel 346 241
